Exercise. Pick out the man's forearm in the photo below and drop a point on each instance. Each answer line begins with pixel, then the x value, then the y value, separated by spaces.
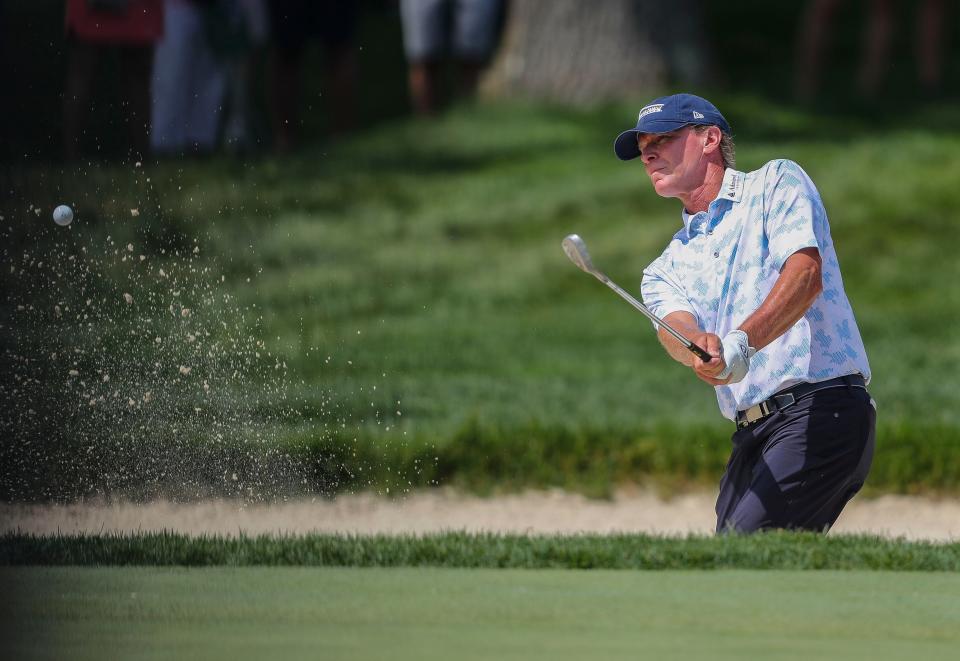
pixel 685 324
pixel 794 291
pixel 792 294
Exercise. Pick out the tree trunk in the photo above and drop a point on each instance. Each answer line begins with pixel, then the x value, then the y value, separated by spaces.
pixel 578 51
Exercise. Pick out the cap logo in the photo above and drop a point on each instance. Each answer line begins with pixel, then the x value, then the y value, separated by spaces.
pixel 656 107
pixel 697 115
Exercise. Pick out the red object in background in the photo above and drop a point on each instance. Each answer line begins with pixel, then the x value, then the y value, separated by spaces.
pixel 120 22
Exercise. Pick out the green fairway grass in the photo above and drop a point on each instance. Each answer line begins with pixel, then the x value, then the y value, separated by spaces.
pixel 395 311
pixel 255 613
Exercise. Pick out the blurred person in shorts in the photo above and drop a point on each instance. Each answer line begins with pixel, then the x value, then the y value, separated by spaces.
pixel 293 25
pixel 752 276
pixel 467 29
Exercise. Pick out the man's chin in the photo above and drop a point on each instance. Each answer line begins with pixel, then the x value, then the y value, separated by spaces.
pixel 662 188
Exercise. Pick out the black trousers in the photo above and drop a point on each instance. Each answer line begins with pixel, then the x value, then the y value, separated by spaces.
pixel 799 467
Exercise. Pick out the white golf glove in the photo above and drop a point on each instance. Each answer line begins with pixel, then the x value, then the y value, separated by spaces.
pixel 736 354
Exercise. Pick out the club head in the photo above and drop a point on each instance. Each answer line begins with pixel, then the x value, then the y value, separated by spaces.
pixel 576 250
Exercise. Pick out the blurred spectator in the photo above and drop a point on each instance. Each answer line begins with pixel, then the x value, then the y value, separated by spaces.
pixel 201 75
pixel 875 57
pixel 431 28
pixel 95 29
pixel 243 39
pixel 189 82
pixel 293 24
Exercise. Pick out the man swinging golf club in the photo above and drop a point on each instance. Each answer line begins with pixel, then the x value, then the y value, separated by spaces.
pixel 753 278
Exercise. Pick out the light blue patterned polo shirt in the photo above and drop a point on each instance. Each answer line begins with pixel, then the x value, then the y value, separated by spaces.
pixel 722 264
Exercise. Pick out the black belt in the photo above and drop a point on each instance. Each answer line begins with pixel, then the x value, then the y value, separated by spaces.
pixel 789 396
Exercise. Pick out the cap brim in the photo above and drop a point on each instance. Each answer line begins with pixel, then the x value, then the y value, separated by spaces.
pixel 626 145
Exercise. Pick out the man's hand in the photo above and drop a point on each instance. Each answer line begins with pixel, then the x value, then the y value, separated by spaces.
pixel 709 371
pixel 731 355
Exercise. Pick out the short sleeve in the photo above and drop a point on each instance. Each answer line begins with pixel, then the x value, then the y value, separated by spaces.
pixel 662 293
pixel 793 211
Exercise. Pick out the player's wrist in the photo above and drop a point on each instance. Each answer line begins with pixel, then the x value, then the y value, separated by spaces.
pixel 737 353
pixel 742 340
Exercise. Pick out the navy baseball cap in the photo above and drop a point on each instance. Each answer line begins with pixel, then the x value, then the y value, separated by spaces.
pixel 668 113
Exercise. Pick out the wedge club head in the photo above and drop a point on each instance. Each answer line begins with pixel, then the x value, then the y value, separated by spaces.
pixel 576 250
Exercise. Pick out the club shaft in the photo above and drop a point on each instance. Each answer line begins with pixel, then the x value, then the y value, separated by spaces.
pixel 693 348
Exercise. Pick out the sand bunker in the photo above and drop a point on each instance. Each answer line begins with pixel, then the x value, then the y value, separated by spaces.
pixel 911 517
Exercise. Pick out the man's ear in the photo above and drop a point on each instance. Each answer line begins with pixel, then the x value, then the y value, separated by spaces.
pixel 711 139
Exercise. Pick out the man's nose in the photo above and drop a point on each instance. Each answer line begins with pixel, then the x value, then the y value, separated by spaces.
pixel 647 155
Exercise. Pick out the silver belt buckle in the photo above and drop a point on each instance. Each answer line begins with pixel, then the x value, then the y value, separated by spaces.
pixel 749 416
pixel 762 410
pixel 755 412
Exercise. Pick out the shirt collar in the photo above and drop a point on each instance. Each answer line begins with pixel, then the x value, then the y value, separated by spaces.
pixel 732 186
pixel 730 189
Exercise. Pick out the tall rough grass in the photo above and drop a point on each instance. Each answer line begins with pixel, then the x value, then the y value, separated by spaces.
pixel 779 550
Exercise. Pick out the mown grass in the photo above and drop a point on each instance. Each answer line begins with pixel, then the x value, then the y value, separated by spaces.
pixel 775 550
pixel 433 613
pixel 394 310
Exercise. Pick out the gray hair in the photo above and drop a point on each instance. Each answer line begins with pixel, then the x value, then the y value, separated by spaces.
pixel 727 149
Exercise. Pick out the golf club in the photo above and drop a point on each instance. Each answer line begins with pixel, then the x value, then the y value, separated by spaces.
pixel 576 250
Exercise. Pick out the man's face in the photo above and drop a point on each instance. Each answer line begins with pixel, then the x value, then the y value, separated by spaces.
pixel 674 161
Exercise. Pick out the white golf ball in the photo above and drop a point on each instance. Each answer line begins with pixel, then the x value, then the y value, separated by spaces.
pixel 63 215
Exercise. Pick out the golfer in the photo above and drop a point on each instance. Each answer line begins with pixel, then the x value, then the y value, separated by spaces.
pixel 753 278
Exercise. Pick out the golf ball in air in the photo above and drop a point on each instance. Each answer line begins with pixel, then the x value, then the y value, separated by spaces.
pixel 63 215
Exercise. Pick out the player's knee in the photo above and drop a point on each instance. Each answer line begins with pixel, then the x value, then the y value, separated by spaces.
pixel 749 516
